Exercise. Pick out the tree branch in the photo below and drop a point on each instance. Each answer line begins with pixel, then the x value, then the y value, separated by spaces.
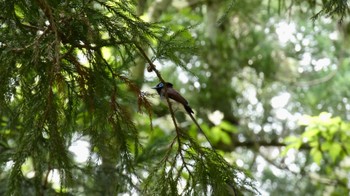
pixel 255 144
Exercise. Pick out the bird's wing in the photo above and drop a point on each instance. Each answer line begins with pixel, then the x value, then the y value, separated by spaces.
pixel 173 94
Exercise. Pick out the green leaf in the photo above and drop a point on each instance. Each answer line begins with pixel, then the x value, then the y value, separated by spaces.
pixel 293 143
pixel 335 151
pixel 291 139
pixel 311 132
pixel 19 12
pixel 193 131
pixel 225 138
pixel 316 155
pixel 228 127
pixel 326 146
pixel 216 134
pixel 314 143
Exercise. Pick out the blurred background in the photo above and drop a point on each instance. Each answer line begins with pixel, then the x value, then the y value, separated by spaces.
pixel 263 73
pixel 268 82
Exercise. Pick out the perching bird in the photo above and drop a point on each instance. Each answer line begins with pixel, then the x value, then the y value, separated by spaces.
pixel 174 96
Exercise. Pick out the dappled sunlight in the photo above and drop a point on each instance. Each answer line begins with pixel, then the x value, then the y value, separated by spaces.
pixel 80 148
pixel 261 93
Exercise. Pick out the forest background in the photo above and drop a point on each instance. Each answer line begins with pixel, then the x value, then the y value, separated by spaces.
pixel 268 81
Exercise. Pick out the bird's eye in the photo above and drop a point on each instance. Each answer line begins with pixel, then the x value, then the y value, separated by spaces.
pixel 160 85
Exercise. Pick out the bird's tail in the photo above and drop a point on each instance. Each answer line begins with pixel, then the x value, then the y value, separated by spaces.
pixel 188 109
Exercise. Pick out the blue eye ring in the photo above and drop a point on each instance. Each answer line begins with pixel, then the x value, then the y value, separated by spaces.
pixel 159 86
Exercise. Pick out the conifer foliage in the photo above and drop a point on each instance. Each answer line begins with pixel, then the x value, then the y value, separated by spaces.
pixel 64 73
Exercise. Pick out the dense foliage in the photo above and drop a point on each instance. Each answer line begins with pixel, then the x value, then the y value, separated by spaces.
pixel 268 81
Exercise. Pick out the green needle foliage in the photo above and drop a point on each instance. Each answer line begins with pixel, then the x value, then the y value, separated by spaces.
pixel 57 82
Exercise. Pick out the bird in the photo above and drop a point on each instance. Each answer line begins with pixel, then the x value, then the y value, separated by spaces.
pixel 173 95
pixel 166 90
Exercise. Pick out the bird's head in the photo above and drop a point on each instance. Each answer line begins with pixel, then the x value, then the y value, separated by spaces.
pixel 160 86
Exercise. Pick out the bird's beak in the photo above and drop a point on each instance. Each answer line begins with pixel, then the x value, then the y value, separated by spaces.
pixel 156 87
